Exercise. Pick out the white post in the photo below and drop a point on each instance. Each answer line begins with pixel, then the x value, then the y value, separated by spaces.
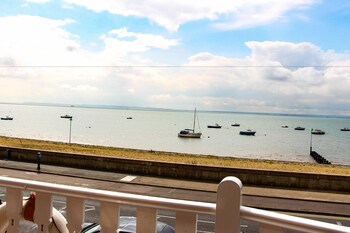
pixel 146 221
pixel 43 211
pixel 75 214
pixel 109 217
pixel 186 222
pixel 14 205
pixel 228 206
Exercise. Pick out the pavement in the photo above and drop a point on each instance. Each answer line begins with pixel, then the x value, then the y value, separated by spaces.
pixel 260 197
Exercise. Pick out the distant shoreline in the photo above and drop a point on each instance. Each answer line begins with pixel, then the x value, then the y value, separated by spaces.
pixel 171 110
pixel 171 157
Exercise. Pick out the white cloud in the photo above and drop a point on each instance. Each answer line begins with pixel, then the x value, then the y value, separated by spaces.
pixel 262 81
pixel 33 40
pixel 259 83
pixel 256 12
pixel 37 41
pixel 131 90
pixel 226 14
pixel 265 82
pixel 80 88
pixel 160 98
pixel 122 42
pixel 286 54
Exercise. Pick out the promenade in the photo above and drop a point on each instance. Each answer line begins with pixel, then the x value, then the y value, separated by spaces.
pixel 284 200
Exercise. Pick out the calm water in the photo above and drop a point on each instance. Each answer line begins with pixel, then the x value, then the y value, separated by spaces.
pixel 157 130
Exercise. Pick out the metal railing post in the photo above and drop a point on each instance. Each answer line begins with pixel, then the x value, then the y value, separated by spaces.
pixel 38 160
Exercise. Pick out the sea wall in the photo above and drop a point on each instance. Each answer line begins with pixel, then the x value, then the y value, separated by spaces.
pixel 250 177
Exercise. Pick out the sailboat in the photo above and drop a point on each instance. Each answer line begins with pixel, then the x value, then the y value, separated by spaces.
pixel 190 133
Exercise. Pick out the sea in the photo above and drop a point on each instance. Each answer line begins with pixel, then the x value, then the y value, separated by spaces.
pixel 157 129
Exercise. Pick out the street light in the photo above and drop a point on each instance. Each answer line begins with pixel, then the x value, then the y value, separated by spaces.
pixel 70 125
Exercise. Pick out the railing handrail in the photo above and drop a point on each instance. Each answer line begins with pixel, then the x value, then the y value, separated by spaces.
pixel 110 196
pixel 264 217
pixel 290 222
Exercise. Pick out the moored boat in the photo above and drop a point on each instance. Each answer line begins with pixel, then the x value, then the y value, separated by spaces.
pixel 247 132
pixel 7 118
pixel 299 128
pixel 318 132
pixel 284 126
pixel 67 116
pixel 236 125
pixel 190 133
pixel 216 126
pixel 345 129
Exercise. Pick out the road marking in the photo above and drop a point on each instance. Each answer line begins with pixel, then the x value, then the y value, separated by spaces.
pixel 172 190
pixel 82 184
pixel 173 217
pixel 166 216
pixel 59 202
pixel 89 208
pixel 128 178
pixel 204 221
pixel 86 209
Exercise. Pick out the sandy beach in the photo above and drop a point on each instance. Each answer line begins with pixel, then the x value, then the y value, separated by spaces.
pixel 174 157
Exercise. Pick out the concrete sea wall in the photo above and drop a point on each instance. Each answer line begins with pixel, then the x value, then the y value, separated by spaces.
pixel 250 177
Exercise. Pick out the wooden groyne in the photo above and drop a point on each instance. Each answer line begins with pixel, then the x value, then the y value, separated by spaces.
pixel 319 158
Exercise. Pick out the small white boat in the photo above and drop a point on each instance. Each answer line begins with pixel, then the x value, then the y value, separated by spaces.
pixel 189 133
pixel 318 132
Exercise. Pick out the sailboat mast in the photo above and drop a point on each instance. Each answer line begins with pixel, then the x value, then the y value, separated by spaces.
pixel 194 120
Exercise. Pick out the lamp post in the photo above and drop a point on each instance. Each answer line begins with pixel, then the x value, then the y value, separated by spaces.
pixel 70 125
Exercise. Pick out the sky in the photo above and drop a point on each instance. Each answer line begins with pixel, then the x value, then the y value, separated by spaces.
pixel 290 56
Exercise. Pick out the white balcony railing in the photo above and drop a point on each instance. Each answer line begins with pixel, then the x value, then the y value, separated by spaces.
pixel 228 210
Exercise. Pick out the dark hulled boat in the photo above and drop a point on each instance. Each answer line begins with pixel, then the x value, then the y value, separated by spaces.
pixel 247 132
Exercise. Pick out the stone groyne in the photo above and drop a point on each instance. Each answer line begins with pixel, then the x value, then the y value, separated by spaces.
pixel 252 177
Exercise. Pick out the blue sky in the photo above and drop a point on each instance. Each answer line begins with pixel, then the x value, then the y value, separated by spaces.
pixel 256 56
